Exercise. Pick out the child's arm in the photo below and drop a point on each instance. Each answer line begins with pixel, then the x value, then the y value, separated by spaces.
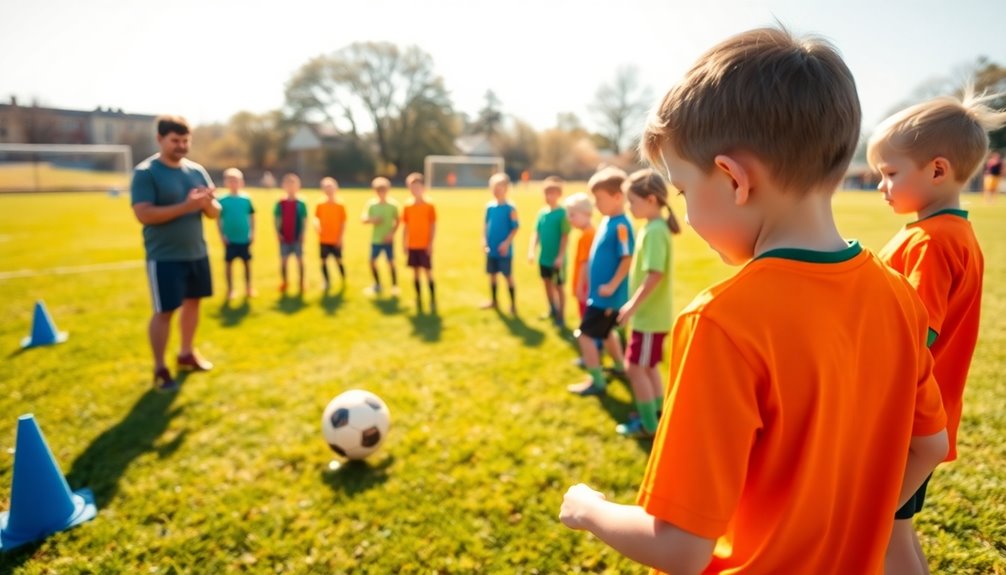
pixel 220 228
pixel 505 246
pixel 251 228
pixel 391 235
pixel 924 454
pixel 634 533
pixel 616 280
pixel 583 289
pixel 433 231
pixel 642 292
pixel 534 246
pixel 562 249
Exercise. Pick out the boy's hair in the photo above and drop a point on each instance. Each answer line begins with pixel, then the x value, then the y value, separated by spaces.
pixel 552 182
pixel 328 180
pixel 607 179
pixel 648 183
pixel 234 173
pixel 414 177
pixel 792 103
pixel 943 127
pixel 579 203
pixel 498 178
pixel 380 183
pixel 169 124
pixel 291 177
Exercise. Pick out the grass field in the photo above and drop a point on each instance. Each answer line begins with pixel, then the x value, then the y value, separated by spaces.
pixel 231 475
pixel 45 176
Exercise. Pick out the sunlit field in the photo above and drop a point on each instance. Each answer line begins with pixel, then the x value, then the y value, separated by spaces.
pixel 231 474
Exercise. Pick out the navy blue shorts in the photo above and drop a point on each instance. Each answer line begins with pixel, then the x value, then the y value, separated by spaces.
pixel 420 259
pixel 597 322
pixel 388 249
pixel 551 273
pixel 915 503
pixel 331 250
pixel 173 281
pixel 237 251
pixel 499 266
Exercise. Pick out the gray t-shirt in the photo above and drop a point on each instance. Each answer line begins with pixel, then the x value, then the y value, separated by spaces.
pixel 181 239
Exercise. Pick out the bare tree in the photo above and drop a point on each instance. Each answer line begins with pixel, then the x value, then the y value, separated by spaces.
pixel 619 107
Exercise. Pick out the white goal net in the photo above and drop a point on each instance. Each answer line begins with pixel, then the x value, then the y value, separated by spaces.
pixel 461 171
pixel 64 167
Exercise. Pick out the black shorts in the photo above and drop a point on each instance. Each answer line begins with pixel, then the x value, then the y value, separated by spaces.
pixel 331 250
pixel 420 259
pixel 237 251
pixel 499 266
pixel 915 502
pixel 173 281
pixel 597 322
pixel 551 273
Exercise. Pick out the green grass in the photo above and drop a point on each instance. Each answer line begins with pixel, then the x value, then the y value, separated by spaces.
pixel 231 474
pixel 45 176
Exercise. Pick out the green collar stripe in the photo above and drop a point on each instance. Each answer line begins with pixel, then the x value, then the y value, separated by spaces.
pixel 815 257
pixel 949 211
pixel 931 338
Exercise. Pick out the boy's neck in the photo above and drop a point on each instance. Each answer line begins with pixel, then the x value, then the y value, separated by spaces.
pixel 616 214
pixel 949 202
pixel 329 199
pixel 235 192
pixel 805 222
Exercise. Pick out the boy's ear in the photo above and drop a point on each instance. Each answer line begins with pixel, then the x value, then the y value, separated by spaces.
pixel 940 168
pixel 740 177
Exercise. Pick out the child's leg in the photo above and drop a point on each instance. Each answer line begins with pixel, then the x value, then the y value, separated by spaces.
pixel 904 552
pixel 391 265
pixel 248 281
pixel 560 298
pixel 282 271
pixel 433 289
pixel 342 270
pixel 656 383
pixel 324 266
pixel 373 270
pixel 415 283
pixel 300 272
pixel 613 345
pixel 513 293
pixel 591 362
pixel 230 283
pixel 549 295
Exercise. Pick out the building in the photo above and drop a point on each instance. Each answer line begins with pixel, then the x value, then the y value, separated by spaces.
pixel 42 125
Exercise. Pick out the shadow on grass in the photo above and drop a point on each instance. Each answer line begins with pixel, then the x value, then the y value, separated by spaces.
pixel 619 410
pixel 530 336
pixel 426 327
pixel 103 463
pixel 230 315
pixel 330 301
pixel 388 306
pixel 11 560
pixel 353 477
pixel 290 304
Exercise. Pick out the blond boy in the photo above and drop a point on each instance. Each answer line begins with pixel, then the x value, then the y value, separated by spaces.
pixel 382 213
pixel 926 155
pixel 500 228
pixel 330 220
pixel 237 228
pixel 419 223
pixel 800 387
pixel 549 241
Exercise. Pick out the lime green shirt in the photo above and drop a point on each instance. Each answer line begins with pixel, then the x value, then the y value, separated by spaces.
pixel 388 215
pixel 653 254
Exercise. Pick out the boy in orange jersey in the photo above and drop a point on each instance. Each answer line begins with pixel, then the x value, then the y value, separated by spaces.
pixel 579 210
pixel 419 219
pixel 925 156
pixel 330 219
pixel 801 410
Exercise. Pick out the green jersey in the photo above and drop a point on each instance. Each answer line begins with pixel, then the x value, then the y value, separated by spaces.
pixel 235 217
pixel 551 227
pixel 653 254
pixel 387 215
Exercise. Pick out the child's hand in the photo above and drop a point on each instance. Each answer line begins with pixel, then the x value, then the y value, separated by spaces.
pixel 626 312
pixel 558 262
pixel 504 248
pixel 389 238
pixel 606 290
pixel 577 505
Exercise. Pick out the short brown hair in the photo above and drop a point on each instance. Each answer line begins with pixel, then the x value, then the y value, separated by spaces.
pixel 552 182
pixel 608 179
pixel 792 103
pixel 168 124
pixel 414 177
pixel 943 127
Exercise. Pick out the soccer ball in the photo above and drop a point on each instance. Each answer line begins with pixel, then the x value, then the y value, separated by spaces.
pixel 355 423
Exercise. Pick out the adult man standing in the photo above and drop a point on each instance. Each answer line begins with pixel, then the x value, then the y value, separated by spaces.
pixel 170 194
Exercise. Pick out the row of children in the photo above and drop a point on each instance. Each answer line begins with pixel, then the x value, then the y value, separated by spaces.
pixel 417 220
pixel 812 394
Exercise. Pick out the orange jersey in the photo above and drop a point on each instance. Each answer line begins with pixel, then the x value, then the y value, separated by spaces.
pixel 331 220
pixel 795 389
pixel 582 254
pixel 419 220
pixel 941 257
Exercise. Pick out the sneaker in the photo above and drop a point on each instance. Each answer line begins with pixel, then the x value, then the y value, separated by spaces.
pixel 578 362
pixel 633 428
pixel 615 370
pixel 488 305
pixel 372 291
pixel 192 362
pixel 163 381
pixel 585 388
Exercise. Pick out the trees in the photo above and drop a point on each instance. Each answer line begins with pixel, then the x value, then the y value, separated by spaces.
pixel 619 107
pixel 395 90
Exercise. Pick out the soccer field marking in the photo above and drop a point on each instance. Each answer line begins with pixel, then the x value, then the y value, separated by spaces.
pixel 67 270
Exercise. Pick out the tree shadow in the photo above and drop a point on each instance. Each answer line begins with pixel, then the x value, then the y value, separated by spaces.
pixel 103 463
pixel 426 327
pixel 388 306
pixel 231 316
pixel 530 336
pixel 290 304
pixel 330 301
pixel 351 477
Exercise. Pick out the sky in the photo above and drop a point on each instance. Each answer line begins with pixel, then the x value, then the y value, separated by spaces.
pixel 207 59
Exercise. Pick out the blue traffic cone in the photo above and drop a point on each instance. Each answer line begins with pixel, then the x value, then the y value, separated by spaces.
pixel 41 502
pixel 43 330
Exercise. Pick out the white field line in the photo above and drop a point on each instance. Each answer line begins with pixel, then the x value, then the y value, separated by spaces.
pixel 61 271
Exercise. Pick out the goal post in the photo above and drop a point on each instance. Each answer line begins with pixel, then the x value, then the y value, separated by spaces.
pixel 461 171
pixel 64 167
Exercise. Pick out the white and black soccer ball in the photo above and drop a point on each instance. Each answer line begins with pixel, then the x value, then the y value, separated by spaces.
pixel 355 423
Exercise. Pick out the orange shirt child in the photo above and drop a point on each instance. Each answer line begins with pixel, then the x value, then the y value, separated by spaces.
pixel 941 257
pixel 331 220
pixel 419 219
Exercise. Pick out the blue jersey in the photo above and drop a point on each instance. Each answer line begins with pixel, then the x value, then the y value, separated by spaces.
pixel 501 219
pixel 612 242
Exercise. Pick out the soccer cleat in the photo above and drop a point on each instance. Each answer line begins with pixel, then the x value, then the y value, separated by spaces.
pixel 613 370
pixel 372 291
pixel 192 362
pixel 633 428
pixel 163 381
pixel 585 388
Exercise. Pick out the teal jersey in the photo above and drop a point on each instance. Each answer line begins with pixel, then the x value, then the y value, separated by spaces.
pixel 180 239
pixel 552 225
pixel 235 217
